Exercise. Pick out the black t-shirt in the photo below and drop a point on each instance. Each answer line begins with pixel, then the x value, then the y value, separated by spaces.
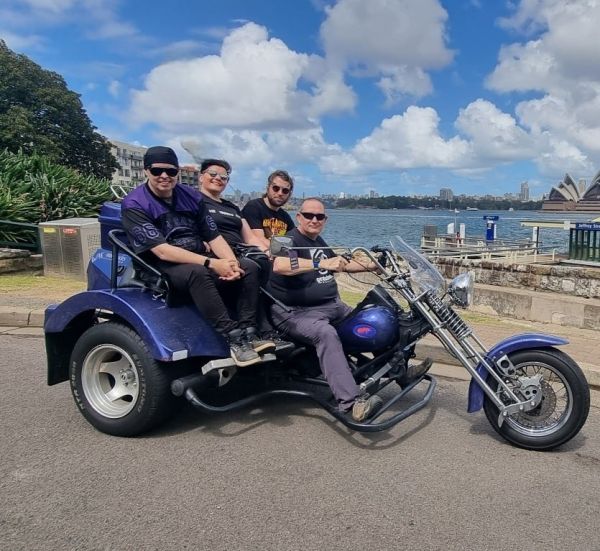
pixel 261 217
pixel 309 288
pixel 150 221
pixel 228 218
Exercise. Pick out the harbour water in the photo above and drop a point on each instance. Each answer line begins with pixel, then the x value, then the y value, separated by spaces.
pixel 368 227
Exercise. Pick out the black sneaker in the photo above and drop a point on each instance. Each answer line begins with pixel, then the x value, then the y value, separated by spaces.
pixel 281 346
pixel 258 344
pixel 365 408
pixel 241 351
pixel 415 371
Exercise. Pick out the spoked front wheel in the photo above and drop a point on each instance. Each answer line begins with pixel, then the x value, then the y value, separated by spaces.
pixel 562 410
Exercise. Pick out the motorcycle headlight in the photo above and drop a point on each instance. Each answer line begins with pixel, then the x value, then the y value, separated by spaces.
pixel 461 289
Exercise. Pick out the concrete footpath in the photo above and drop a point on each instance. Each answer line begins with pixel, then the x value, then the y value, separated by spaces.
pixel 584 344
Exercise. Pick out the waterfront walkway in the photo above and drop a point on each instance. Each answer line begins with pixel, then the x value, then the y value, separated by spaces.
pixel 23 314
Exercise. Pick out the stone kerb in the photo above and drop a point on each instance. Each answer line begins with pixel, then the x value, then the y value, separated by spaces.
pixel 574 281
pixel 14 260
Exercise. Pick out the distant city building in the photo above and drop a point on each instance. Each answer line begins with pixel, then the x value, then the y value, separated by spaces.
pixel 131 167
pixel 446 194
pixel 524 195
pixel 188 174
pixel 342 195
pixel 373 194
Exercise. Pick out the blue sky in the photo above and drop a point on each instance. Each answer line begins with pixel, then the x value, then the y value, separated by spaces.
pixel 401 96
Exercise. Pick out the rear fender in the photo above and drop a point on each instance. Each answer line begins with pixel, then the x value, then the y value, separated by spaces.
pixel 523 341
pixel 170 333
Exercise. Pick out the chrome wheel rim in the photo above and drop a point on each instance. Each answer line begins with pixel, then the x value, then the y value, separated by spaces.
pixel 554 409
pixel 110 381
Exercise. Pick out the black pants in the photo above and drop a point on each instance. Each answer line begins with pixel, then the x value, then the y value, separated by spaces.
pixel 212 295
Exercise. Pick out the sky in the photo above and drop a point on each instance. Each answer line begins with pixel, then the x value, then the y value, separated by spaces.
pixel 403 97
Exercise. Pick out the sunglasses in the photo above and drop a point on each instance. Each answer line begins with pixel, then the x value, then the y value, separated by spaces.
pixel 277 189
pixel 223 177
pixel 155 171
pixel 312 215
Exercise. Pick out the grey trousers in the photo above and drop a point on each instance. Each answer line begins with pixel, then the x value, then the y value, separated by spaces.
pixel 312 325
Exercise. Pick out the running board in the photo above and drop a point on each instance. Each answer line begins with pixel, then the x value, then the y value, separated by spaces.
pixel 226 363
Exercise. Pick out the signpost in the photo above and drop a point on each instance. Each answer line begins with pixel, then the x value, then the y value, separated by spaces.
pixel 490 230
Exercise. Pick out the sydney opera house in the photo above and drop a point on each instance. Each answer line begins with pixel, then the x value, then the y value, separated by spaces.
pixel 571 196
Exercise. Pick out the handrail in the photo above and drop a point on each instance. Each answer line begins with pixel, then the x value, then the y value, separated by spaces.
pixel 33 245
pixel 160 286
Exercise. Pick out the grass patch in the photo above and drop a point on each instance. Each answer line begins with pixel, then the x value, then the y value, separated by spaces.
pixel 351 298
pixel 40 286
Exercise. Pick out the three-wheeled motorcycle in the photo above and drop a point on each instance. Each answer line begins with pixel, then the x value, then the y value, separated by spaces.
pixel 131 350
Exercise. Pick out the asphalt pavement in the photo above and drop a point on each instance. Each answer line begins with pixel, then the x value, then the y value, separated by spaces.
pixel 281 475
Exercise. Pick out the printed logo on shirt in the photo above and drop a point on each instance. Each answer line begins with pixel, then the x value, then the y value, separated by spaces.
pixel 318 255
pixel 274 227
pixel 211 223
pixel 143 233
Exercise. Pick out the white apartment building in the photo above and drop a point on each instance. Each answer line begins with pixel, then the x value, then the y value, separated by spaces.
pixel 130 158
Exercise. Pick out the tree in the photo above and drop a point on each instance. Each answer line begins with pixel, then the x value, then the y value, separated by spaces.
pixel 39 114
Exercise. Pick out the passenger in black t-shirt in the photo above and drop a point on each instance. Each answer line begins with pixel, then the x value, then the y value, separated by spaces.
pixel 213 179
pixel 309 290
pixel 266 216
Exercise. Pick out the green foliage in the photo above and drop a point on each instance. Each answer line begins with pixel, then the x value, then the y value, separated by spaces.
pixel 38 113
pixel 33 190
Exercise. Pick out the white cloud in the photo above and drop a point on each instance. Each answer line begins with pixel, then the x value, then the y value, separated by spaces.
pixel 252 84
pixel 251 148
pixel 399 40
pixel 20 42
pixel 560 62
pixel 114 88
pixel 494 135
pixel 179 49
pixel 410 140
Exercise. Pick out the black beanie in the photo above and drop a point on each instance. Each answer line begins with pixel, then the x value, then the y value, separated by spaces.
pixel 160 154
pixel 215 162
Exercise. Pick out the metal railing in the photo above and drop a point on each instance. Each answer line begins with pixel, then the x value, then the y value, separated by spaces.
pixel 24 236
pixel 514 251
pixel 584 244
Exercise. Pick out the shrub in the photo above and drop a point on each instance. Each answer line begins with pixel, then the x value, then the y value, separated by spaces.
pixel 33 190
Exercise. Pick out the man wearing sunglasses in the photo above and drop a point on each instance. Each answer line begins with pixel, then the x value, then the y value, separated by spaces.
pixel 306 285
pixel 168 225
pixel 265 216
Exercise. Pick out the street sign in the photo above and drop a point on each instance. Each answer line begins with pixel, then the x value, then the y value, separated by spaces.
pixel 593 226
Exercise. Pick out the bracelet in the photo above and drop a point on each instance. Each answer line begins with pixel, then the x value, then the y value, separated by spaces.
pixel 207 262
pixel 294 264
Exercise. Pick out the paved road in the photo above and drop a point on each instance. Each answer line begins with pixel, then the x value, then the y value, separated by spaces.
pixel 282 477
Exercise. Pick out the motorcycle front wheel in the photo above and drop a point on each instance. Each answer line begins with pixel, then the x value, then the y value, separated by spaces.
pixel 562 411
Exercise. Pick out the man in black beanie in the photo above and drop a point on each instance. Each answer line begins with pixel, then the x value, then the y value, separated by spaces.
pixel 168 225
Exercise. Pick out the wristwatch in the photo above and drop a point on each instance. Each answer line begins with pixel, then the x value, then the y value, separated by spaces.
pixel 207 262
pixel 316 262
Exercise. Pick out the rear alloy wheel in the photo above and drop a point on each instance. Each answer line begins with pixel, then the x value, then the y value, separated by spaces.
pixel 117 385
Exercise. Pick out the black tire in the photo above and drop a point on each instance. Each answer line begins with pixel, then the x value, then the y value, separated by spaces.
pixel 117 385
pixel 564 407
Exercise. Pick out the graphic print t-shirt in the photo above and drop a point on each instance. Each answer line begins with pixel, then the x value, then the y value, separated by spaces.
pixel 150 221
pixel 272 222
pixel 228 218
pixel 309 288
